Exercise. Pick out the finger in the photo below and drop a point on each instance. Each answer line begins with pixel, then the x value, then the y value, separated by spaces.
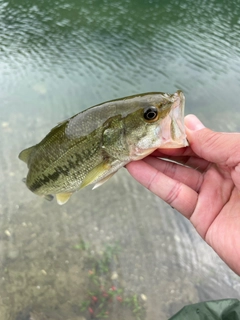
pixel 187 151
pixel 223 234
pixel 215 192
pixel 184 156
pixel 236 176
pixel 188 176
pixel 217 147
pixel 192 162
pixel 175 193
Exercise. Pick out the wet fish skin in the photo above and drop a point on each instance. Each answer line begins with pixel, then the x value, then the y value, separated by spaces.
pixel 92 145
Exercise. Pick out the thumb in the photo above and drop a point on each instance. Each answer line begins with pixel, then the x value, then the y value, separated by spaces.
pixel 218 147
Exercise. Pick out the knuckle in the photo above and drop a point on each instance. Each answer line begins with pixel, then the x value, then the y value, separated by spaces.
pixel 174 193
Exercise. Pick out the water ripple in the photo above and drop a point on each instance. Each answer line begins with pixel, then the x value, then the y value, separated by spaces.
pixel 59 57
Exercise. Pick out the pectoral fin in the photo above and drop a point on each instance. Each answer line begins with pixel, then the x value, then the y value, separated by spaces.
pixel 62 198
pixel 95 174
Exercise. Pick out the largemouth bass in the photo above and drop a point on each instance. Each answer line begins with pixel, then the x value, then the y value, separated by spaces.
pixel 91 146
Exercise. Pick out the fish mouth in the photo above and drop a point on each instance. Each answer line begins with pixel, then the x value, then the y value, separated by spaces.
pixel 173 129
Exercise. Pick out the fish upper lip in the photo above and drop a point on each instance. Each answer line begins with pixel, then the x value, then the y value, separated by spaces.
pixel 180 93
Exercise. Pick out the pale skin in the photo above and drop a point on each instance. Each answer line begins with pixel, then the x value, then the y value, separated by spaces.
pixel 204 186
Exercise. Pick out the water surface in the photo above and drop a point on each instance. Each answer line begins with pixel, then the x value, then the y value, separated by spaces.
pixel 58 58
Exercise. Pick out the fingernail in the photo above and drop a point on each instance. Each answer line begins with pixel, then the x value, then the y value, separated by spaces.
pixel 193 123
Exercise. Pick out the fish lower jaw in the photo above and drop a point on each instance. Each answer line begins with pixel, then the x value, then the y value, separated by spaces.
pixel 172 130
pixel 171 144
pixel 176 140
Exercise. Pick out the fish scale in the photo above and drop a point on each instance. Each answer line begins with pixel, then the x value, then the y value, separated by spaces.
pixel 91 146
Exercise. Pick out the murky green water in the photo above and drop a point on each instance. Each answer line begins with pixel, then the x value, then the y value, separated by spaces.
pixel 56 59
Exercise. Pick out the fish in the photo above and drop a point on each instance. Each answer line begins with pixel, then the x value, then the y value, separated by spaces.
pixel 91 146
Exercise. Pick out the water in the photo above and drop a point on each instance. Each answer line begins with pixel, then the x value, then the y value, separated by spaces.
pixel 56 59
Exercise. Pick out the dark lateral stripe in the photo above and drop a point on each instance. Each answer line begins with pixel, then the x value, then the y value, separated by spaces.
pixel 72 164
pixel 44 180
pixel 53 177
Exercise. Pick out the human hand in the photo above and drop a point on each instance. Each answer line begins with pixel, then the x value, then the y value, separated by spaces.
pixel 204 186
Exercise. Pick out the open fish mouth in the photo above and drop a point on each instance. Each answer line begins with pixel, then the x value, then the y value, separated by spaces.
pixel 172 127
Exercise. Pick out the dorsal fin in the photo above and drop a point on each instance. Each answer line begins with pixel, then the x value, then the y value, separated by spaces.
pixel 24 155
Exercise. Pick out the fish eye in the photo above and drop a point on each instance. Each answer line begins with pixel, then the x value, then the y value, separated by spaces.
pixel 150 113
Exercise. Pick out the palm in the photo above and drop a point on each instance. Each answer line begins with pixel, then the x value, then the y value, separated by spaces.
pixel 203 192
pixel 222 224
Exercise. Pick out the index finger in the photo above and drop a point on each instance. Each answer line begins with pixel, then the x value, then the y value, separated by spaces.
pixel 175 193
pixel 179 152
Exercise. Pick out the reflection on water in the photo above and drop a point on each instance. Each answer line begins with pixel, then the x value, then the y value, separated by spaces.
pixel 59 57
